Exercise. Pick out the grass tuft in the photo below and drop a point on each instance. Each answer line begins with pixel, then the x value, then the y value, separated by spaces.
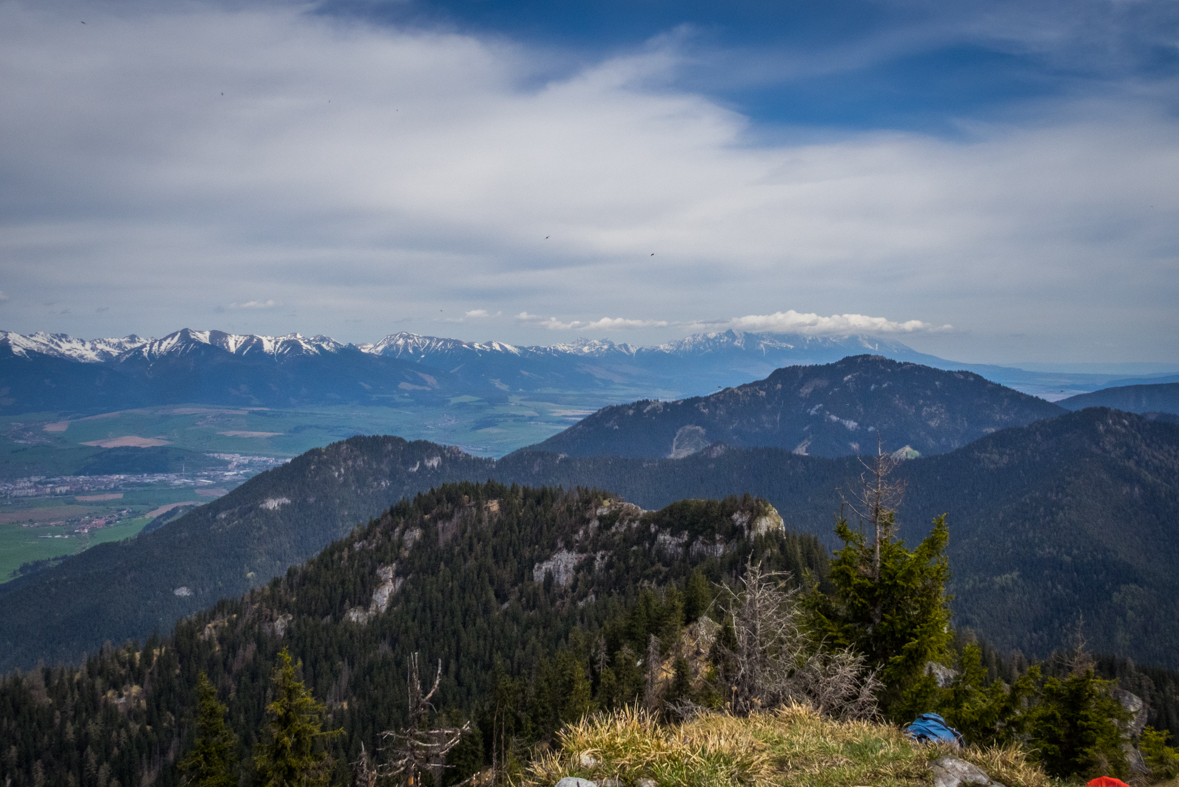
pixel 788 746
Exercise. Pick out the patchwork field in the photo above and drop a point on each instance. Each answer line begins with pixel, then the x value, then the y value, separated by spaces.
pixel 44 529
pixel 477 426
pixel 42 525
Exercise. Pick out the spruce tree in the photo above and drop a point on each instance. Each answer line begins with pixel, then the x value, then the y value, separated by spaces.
pixel 1074 730
pixel 213 759
pixel 889 604
pixel 290 753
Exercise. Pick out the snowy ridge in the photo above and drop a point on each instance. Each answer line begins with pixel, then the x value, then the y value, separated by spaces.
pixel 594 348
pixel 60 345
pixel 412 346
pixel 186 341
pixel 732 339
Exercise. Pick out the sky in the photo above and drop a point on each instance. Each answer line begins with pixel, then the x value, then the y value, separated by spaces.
pixel 986 181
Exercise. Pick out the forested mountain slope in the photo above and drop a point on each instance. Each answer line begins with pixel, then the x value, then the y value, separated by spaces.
pixel 1067 516
pixel 831 410
pixel 1160 398
pixel 275 520
pixel 488 580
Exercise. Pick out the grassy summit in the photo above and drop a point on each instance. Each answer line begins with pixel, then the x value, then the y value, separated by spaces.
pixel 788 746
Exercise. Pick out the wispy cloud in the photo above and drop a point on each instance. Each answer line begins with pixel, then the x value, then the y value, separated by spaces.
pixel 254 305
pixel 602 324
pixel 789 321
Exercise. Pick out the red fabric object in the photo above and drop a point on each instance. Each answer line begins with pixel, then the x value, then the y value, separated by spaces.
pixel 1107 781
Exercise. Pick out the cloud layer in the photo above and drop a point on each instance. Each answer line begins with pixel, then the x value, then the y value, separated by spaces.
pixel 165 162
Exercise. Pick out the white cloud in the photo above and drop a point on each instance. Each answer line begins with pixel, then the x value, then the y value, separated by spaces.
pixel 836 325
pixel 163 161
pixel 789 321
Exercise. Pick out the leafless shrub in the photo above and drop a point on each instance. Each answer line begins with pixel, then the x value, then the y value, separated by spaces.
pixel 772 662
pixel 838 685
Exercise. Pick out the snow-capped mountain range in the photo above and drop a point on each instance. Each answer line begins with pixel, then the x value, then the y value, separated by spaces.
pixel 43 372
pixel 412 346
pixel 52 371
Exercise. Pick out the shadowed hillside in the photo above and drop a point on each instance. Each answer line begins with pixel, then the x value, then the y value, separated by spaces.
pixel 832 410
pixel 1161 398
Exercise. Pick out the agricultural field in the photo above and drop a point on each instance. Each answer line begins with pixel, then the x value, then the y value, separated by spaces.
pixel 61 474
pixel 47 528
pixel 478 427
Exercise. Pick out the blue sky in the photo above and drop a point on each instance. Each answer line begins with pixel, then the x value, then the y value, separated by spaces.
pixel 989 182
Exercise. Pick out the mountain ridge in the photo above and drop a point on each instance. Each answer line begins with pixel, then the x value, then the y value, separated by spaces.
pixel 826 410
pixel 1140 399
pixel 1066 515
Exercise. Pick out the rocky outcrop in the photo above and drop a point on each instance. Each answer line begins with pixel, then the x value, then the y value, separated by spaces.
pixel 390 584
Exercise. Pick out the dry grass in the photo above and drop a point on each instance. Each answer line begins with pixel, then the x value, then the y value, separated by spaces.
pixel 789 746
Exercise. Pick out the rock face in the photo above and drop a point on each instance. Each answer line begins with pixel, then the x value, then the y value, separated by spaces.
pixel 573 781
pixel 952 772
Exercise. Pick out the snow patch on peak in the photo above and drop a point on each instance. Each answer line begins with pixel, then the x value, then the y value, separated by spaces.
pixel 411 345
pixel 61 345
pixel 187 340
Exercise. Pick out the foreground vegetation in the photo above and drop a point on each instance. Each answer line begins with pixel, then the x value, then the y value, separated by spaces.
pixel 550 616
pixel 786 746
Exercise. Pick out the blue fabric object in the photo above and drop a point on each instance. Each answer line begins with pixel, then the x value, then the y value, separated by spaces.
pixel 932 728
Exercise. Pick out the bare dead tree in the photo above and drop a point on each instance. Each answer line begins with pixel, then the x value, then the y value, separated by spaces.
pixel 1077 659
pixel 773 661
pixel 414 748
pixel 654 665
pixel 768 640
pixel 878 498
pixel 364 774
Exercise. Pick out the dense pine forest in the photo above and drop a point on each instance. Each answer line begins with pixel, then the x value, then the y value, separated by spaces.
pixel 537 606
pixel 458 571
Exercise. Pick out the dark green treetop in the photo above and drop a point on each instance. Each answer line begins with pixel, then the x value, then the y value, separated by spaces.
pixel 213 759
pixel 291 752
pixel 893 609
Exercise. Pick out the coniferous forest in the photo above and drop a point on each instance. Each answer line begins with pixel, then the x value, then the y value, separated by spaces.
pixel 533 607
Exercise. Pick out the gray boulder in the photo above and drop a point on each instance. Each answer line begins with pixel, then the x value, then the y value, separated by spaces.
pixel 952 772
pixel 573 781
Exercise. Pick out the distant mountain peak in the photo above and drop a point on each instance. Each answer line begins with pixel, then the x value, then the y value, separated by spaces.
pixel 404 344
pixel 186 340
pixel 61 345
pixel 829 410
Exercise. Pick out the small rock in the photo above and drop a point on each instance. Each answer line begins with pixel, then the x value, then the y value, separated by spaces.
pixel 952 772
pixel 587 760
pixel 646 783
pixel 573 781
pixel 941 673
